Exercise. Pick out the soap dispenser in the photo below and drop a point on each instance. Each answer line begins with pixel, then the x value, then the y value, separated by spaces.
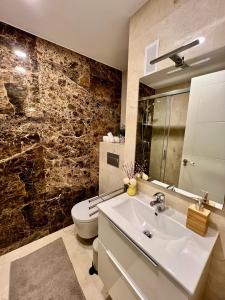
pixel 199 205
pixel 198 217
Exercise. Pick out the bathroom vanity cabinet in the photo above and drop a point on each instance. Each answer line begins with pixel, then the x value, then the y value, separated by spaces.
pixel 129 274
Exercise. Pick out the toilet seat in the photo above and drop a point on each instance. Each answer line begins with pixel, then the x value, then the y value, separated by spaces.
pixel 81 211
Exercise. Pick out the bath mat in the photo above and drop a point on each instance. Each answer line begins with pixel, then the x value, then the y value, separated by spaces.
pixel 46 274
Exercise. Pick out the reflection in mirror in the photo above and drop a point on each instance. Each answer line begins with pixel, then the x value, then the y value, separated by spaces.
pixel 144 126
pixel 181 130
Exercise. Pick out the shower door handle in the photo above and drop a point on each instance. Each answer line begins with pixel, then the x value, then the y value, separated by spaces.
pixel 164 154
pixel 186 162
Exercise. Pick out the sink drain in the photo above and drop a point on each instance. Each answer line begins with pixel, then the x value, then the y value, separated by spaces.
pixel 147 233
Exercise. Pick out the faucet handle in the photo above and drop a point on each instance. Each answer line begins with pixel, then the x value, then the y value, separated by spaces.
pixel 156 194
pixel 159 196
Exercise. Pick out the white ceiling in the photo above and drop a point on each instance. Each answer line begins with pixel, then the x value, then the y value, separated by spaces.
pixel 95 28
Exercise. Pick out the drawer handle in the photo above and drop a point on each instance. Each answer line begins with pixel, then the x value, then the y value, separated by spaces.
pixel 125 275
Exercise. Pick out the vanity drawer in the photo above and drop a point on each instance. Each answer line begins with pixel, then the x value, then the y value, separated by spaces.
pixel 114 281
pixel 127 273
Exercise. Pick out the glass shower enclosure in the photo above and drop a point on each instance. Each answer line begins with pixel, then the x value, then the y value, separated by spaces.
pixel 160 134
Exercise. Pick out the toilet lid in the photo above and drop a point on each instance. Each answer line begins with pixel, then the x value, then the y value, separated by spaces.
pixel 81 212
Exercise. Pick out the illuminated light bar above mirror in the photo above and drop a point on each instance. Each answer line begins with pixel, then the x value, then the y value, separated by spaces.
pixel 175 52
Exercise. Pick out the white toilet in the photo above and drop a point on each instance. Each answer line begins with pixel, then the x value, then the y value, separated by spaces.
pixel 87 226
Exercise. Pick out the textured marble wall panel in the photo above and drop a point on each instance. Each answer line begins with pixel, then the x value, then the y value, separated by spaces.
pixel 53 114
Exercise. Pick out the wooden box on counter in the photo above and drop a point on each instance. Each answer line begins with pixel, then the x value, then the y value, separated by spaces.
pixel 197 220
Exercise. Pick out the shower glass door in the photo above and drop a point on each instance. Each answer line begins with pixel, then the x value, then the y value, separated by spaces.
pixel 169 120
pixel 178 106
pixel 158 139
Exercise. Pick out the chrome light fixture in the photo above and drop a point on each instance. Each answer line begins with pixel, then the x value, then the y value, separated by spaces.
pixel 173 55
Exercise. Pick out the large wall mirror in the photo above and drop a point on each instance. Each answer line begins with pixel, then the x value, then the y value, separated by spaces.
pixel 181 128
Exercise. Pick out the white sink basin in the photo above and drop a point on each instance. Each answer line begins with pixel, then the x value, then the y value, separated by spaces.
pixel 179 251
pixel 142 216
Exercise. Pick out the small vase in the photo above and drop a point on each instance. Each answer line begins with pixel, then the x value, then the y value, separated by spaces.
pixel 132 190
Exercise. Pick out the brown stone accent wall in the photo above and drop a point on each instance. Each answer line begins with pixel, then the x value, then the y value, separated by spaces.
pixel 52 118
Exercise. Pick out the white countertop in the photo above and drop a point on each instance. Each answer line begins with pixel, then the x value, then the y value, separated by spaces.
pixel 183 257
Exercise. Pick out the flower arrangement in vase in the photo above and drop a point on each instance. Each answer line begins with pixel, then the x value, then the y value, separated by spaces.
pixel 133 171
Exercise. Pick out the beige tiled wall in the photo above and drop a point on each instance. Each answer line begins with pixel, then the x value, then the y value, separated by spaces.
pixel 174 23
pixel 110 177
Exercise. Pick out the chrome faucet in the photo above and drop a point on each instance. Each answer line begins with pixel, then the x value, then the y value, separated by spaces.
pixel 159 201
